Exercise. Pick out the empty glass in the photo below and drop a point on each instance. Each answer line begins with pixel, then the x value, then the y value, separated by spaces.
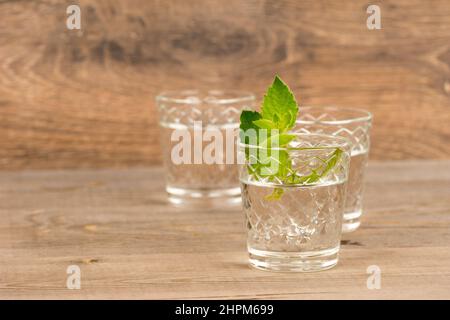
pixel 353 124
pixel 198 139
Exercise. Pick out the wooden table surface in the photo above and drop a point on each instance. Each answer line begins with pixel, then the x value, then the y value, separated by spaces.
pixel 129 243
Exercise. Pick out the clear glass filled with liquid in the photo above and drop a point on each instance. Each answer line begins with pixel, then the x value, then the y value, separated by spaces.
pixel 198 132
pixel 300 230
pixel 353 124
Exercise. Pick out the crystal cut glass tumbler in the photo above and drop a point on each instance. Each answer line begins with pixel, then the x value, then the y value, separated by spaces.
pixel 300 229
pixel 198 137
pixel 353 124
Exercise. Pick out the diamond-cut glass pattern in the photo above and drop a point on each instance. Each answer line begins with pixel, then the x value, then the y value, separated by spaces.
pixel 307 217
pixel 308 153
pixel 354 125
pixel 212 111
pixel 347 123
pixel 304 219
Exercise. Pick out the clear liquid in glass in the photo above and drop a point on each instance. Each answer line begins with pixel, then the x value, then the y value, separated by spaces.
pixel 299 232
pixel 201 183
pixel 355 186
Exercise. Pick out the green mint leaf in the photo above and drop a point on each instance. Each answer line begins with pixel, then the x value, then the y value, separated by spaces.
pixel 279 111
pixel 278 116
pixel 279 105
pixel 275 195
pixel 323 170
pixel 278 140
pixel 247 118
pixel 278 159
pixel 265 124
pixel 284 169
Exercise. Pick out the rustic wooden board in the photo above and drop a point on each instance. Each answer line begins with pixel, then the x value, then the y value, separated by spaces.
pixel 85 98
pixel 129 243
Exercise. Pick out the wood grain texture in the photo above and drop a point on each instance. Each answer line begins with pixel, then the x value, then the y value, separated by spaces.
pixel 85 98
pixel 129 243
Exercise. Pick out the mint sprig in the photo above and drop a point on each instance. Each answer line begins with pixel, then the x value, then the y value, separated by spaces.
pixel 278 115
pixel 279 105
pixel 321 171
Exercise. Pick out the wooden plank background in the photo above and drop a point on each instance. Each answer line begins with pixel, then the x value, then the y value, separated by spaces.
pixel 85 98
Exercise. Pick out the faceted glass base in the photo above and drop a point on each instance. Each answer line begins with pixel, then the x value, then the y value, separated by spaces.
pixel 351 221
pixel 207 198
pixel 293 261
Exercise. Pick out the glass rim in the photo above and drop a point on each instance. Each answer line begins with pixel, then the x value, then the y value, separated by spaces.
pixel 344 143
pixel 176 96
pixel 364 115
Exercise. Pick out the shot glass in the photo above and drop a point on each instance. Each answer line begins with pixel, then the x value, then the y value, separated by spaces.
pixel 353 124
pixel 198 137
pixel 300 228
